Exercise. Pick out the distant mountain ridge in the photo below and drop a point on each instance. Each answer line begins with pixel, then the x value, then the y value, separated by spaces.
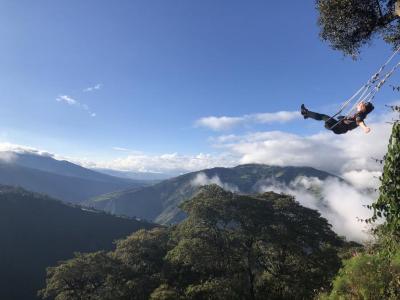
pixel 159 202
pixel 136 175
pixel 59 179
pixel 37 231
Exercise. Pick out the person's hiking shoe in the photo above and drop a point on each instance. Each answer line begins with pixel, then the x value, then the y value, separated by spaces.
pixel 304 111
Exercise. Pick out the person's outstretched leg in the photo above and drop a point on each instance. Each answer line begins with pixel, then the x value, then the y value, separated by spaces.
pixel 313 115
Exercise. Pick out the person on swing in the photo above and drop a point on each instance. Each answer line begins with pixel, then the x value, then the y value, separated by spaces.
pixel 342 124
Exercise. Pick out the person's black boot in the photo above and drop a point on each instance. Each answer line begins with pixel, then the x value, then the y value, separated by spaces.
pixel 304 111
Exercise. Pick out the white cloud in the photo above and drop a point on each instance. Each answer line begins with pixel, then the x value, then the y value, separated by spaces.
pixel 127 151
pixel 363 179
pixel 225 123
pixel 71 101
pixel 202 179
pixel 348 206
pixel 9 147
pixel 7 157
pixel 93 88
pixel 285 149
pixel 67 99
pixel 219 123
pixel 121 149
pixel 224 139
pixel 279 117
pixel 326 151
pixel 137 161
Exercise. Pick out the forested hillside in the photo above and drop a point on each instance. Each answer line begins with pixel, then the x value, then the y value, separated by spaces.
pixel 37 231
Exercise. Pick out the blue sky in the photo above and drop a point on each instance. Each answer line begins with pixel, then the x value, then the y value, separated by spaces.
pixel 159 66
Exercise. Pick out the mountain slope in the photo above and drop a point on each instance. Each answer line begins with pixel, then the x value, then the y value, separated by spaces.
pixel 37 231
pixel 60 167
pixel 160 202
pixel 59 179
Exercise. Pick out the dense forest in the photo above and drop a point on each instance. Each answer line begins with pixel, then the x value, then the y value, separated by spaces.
pixel 229 247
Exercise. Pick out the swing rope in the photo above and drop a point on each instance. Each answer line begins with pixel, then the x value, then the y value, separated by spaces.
pixel 368 91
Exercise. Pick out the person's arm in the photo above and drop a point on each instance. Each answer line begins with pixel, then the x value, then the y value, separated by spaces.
pixel 363 126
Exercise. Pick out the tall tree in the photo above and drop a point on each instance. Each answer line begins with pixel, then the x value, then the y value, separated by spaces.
pixel 87 276
pixel 142 254
pixel 350 24
pixel 132 271
pixel 254 247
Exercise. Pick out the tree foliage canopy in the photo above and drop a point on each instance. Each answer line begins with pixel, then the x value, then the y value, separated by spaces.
pixel 229 247
pixel 367 276
pixel 350 24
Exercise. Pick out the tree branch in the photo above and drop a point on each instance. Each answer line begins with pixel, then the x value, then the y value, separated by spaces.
pixel 379 8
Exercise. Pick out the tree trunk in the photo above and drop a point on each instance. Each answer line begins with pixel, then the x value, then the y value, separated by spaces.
pixel 250 272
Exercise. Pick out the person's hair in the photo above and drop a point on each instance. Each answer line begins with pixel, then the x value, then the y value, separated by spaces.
pixel 369 107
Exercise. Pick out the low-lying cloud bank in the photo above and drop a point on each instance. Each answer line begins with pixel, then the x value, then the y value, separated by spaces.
pixel 363 179
pixel 7 157
pixel 202 179
pixel 343 205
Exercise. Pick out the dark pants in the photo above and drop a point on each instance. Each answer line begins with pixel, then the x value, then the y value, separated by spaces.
pixel 333 124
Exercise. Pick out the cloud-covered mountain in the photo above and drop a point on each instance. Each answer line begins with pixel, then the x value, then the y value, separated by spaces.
pixel 60 179
pixel 36 232
pixel 160 202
